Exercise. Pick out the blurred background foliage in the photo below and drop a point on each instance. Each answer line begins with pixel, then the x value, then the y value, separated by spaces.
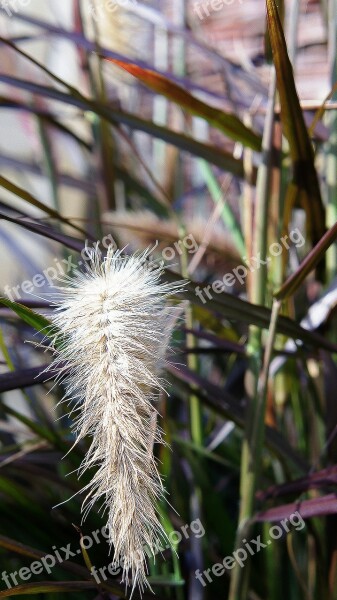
pixel 193 134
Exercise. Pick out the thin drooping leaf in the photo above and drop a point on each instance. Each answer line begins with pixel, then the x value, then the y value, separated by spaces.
pixel 28 197
pixel 203 452
pixel 43 432
pixel 307 265
pixel 38 322
pixel 305 180
pixel 218 342
pixel 315 507
pixel 21 379
pixel 47 587
pixel 324 478
pixel 229 124
pixel 29 552
pixel 320 111
pixel 47 232
pixel 9 103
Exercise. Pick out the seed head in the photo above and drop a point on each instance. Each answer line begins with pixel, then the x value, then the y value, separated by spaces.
pixel 112 328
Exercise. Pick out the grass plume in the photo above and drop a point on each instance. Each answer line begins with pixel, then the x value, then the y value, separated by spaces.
pixel 113 328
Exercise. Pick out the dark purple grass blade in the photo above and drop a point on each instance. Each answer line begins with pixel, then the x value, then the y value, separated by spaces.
pixel 44 114
pixel 219 343
pixel 28 263
pixel 229 346
pixel 319 479
pixel 315 507
pixel 48 232
pixel 23 378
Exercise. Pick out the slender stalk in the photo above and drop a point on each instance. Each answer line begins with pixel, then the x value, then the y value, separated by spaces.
pixel 192 359
pixel 179 62
pixel 252 455
pixel 5 353
pixel 331 160
pixel 253 437
pixel 247 200
pixel 226 213
pixel 196 429
pixel 49 160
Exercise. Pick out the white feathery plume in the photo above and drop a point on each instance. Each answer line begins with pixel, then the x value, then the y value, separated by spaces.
pixel 112 328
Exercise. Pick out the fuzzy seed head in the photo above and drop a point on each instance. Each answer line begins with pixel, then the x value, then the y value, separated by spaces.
pixel 112 328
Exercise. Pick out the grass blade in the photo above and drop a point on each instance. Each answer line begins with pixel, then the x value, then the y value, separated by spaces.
pixel 229 124
pixel 301 152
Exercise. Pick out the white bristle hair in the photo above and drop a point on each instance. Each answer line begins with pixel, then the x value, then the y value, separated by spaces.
pixel 113 324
